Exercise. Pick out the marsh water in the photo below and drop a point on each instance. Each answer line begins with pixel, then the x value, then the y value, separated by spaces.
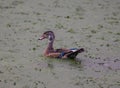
pixel 90 24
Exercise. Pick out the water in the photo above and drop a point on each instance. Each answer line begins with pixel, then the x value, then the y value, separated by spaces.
pixel 89 24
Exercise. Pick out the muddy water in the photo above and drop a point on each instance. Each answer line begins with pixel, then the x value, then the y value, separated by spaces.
pixel 90 24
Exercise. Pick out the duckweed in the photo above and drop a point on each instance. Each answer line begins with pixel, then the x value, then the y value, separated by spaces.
pixel 107 45
pixel 117 40
pixel 102 38
pixel 14 83
pixel 15 72
pixel 1 59
pixel 38 13
pixel 59 26
pixel 71 31
pixel 93 31
pixel 1 72
pixel 89 36
pixel 34 23
pixel 100 26
pixel 15 3
pixel 118 33
pixel 81 17
pixel 110 32
pixel 50 65
pixel 34 49
pixel 67 17
pixel 8 25
pixel 112 20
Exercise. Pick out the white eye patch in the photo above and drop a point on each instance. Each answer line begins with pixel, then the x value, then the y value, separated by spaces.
pixel 50 37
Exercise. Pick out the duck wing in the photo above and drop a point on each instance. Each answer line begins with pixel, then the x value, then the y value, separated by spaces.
pixel 74 53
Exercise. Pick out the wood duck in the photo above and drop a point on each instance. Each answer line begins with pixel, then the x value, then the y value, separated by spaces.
pixel 58 53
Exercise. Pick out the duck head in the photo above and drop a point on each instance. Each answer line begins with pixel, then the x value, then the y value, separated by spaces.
pixel 48 35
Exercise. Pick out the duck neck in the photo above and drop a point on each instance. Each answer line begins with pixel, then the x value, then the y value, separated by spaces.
pixel 50 45
pixel 49 48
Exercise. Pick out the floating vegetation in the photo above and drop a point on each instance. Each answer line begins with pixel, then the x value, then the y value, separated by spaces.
pixel 38 69
pixel 22 13
pixel 59 26
pixel 97 49
pixel 26 29
pixel 37 45
pixel 75 63
pixel 110 32
pixel 100 26
pixel 101 41
pixel 67 17
pixel 5 81
pixel 71 31
pixel 116 60
pixel 93 31
pixel 14 83
pixel 117 40
pixel 102 38
pixel 34 49
pixel 13 60
pixel 50 65
pixel 118 33
pixel 27 21
pixel 81 17
pixel 21 66
pixel 37 84
pixel 1 72
pixel 89 36
pixel 57 16
pixel 8 25
pixel 1 59
pixel 112 20
pixel 115 13
pixel 6 7
pixel 79 11
pixel 15 3
pixel 34 23
pixel 101 45
pixel 107 45
pixel 38 13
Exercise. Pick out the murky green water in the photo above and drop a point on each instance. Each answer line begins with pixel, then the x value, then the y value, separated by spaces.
pixel 91 24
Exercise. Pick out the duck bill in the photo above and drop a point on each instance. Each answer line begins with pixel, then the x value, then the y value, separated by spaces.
pixel 41 38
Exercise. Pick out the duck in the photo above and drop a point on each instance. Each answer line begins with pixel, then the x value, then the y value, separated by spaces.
pixel 60 53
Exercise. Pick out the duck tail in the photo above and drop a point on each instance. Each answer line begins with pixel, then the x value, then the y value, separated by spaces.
pixel 81 50
pixel 74 54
